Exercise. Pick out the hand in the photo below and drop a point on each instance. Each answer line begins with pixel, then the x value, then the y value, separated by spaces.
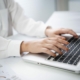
pixel 45 46
pixel 51 32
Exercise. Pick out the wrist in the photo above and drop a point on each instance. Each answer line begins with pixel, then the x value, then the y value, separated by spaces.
pixel 24 47
pixel 47 31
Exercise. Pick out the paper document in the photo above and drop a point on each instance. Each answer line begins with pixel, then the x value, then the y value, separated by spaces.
pixel 7 74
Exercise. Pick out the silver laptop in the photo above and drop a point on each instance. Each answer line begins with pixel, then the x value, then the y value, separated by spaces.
pixel 69 60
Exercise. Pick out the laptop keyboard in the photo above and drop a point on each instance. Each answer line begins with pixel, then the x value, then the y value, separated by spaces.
pixel 72 56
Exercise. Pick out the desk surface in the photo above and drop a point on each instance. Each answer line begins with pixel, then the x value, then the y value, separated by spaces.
pixel 31 71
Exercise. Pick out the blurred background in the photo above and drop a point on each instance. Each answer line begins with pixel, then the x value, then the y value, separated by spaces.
pixel 41 10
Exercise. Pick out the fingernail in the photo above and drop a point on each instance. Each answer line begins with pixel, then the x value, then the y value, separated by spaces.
pixel 76 36
pixel 61 53
pixel 54 55
pixel 67 42
pixel 63 38
pixel 67 49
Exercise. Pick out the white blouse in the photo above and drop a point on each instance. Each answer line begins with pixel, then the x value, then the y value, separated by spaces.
pixel 11 15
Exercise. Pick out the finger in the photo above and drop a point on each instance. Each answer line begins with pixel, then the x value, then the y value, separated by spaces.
pixel 72 33
pixel 51 47
pixel 56 40
pixel 44 41
pixel 56 36
pixel 63 41
pixel 62 47
pixel 47 51
pixel 60 37
pixel 56 49
pixel 69 31
pixel 63 37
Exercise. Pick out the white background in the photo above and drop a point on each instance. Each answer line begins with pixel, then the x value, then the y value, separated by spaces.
pixel 74 5
pixel 39 10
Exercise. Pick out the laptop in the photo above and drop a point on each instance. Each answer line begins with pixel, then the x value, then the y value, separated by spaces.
pixel 69 60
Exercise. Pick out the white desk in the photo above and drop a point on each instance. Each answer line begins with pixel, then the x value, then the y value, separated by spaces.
pixel 31 71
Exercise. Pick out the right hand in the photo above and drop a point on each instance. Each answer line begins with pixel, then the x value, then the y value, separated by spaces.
pixel 45 46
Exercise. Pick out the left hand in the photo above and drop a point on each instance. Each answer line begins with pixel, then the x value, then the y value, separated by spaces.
pixel 52 33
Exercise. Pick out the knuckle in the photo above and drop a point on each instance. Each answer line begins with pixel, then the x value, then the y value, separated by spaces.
pixel 51 45
pixel 67 29
pixel 60 39
pixel 70 29
pixel 61 46
pixel 45 50
pixel 64 42
pixel 64 47
pixel 56 39
pixel 55 42
pixel 44 40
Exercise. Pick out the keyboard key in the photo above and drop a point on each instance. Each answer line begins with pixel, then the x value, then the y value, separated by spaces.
pixel 61 59
pixel 49 57
pixel 70 47
pixel 72 51
pixel 71 62
pixel 75 56
pixel 70 39
pixel 71 43
pixel 56 58
pixel 77 61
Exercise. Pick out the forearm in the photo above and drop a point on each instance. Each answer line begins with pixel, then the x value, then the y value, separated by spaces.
pixel 23 24
pixel 24 47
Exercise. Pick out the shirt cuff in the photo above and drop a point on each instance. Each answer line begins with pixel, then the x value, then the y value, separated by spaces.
pixel 14 48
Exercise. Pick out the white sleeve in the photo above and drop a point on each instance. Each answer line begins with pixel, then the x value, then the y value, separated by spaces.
pixel 23 24
pixel 9 48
